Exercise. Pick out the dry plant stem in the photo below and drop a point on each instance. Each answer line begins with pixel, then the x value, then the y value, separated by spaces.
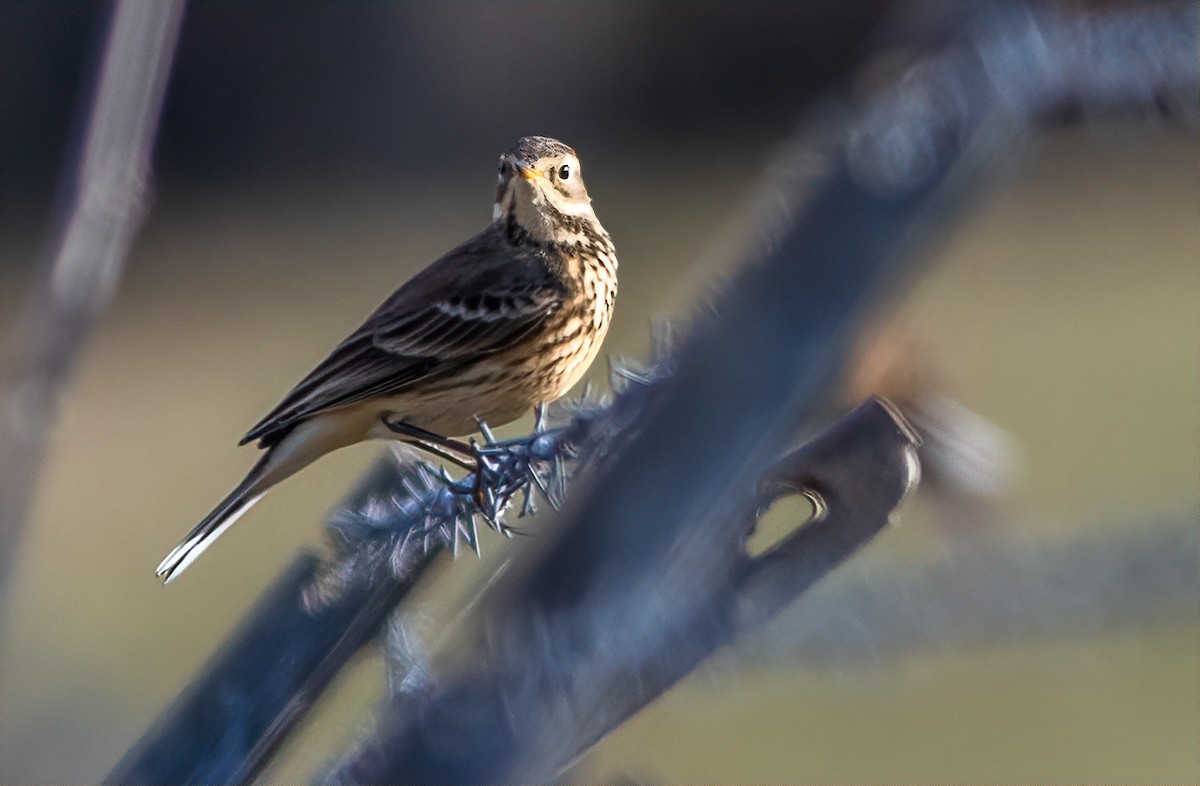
pixel 105 202
pixel 538 687
pixel 228 722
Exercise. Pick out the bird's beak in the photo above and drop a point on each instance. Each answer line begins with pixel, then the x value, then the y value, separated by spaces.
pixel 529 173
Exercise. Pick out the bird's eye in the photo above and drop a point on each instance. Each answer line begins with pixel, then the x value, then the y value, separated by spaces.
pixel 564 172
pixel 502 168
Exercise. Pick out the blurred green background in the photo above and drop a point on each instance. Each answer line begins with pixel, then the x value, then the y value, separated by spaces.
pixel 313 160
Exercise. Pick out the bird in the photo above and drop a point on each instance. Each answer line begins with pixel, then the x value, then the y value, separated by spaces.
pixel 510 319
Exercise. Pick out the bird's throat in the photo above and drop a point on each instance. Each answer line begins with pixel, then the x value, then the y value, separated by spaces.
pixel 544 217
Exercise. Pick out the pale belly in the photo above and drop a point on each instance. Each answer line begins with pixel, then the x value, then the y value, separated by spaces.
pixel 498 390
pixel 503 387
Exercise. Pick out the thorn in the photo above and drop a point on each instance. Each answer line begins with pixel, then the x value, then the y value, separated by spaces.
pixel 489 497
pixel 488 436
pixel 425 473
pixel 541 486
pixel 472 534
pixel 630 375
pixel 614 376
pixel 528 508
pixel 409 486
pixel 407 537
pixel 560 477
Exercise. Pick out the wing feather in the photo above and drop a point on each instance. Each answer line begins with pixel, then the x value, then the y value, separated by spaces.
pixel 470 304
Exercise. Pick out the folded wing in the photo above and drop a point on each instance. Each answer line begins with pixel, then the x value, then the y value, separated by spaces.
pixel 463 308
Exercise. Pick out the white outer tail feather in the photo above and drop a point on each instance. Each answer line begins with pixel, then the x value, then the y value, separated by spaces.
pixel 202 537
pixel 212 526
pixel 302 446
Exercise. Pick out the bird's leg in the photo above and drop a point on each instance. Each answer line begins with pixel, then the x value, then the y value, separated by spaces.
pixel 462 454
pixel 458 453
pixel 442 454
pixel 428 437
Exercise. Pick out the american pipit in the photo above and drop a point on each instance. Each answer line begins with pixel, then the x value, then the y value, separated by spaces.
pixel 511 318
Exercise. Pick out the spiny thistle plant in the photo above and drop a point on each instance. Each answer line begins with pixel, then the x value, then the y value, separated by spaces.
pixel 425 509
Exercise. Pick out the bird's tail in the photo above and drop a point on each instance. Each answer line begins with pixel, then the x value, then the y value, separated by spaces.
pixel 215 523
pixel 300 447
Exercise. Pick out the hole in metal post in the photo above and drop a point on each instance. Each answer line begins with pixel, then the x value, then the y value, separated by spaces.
pixel 786 515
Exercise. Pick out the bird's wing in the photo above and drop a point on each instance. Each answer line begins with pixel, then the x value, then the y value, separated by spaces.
pixel 468 305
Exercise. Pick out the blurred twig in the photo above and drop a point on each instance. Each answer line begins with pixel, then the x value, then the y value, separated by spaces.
pixel 992 586
pixel 105 202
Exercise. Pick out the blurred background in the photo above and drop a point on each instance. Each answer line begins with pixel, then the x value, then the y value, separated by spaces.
pixel 312 157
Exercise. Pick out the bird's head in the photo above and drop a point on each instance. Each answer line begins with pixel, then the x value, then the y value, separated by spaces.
pixel 540 186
